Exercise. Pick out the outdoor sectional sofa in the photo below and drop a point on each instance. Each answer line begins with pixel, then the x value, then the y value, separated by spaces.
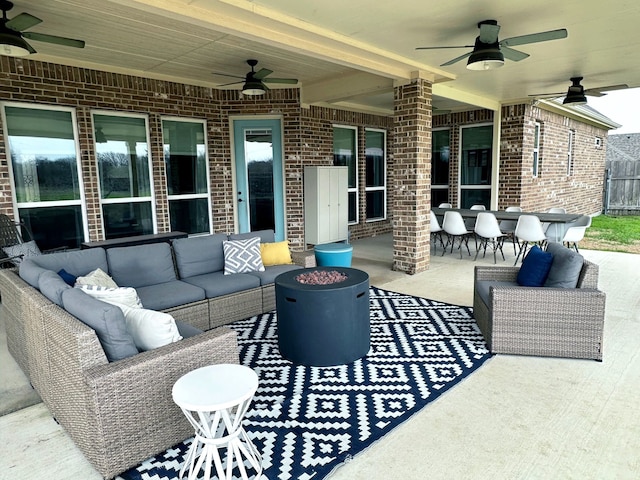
pixel 120 412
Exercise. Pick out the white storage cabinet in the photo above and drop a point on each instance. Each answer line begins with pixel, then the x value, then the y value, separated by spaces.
pixel 326 203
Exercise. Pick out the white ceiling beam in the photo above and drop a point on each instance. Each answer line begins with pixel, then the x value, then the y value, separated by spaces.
pixel 347 87
pixel 254 22
pixel 447 91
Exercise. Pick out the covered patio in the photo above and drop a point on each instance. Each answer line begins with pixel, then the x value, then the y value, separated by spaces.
pixel 517 417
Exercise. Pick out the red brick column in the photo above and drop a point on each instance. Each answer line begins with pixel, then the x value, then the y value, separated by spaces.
pixel 412 177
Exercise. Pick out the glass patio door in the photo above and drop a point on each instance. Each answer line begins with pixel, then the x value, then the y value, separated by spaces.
pixel 259 176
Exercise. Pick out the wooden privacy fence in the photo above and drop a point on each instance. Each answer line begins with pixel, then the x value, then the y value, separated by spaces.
pixel 622 187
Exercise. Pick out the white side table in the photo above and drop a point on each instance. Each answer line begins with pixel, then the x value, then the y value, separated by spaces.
pixel 215 399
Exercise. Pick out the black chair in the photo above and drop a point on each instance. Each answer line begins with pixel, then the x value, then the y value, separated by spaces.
pixel 11 234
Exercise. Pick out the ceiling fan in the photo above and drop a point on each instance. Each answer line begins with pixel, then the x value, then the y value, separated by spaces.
pixel 489 52
pixel 254 82
pixel 12 34
pixel 576 94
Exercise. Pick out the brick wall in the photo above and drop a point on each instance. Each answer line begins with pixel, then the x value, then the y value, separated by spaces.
pixel 308 135
pixel 580 192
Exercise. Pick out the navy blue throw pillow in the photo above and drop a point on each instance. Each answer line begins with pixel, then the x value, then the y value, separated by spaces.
pixel 68 278
pixel 535 268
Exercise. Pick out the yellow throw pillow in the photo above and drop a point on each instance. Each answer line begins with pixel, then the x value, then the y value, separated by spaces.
pixel 276 253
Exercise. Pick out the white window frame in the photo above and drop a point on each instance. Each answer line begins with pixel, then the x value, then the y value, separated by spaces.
pixel 572 134
pixel 535 167
pixel 152 190
pixel 461 187
pixel 357 164
pixel 61 203
pixel 192 196
pixel 382 188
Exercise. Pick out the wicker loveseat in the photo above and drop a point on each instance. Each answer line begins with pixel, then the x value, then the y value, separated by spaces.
pixel 557 322
pixel 120 412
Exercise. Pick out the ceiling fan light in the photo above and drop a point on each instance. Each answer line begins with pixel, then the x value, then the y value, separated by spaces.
pixel 485 59
pixel 13 45
pixel 253 87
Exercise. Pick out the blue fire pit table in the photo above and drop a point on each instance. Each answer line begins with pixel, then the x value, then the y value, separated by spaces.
pixel 323 325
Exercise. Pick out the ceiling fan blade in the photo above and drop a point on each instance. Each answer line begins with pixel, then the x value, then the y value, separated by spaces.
pixel 548 95
pixel 291 81
pixel 514 55
pixel 22 22
pixel 534 38
pixel 263 72
pixel 457 59
pixel 227 75
pixel 599 92
pixel 489 32
pixel 232 83
pixel 435 48
pixel 41 37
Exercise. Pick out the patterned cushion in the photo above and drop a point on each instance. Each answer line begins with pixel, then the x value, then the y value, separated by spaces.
pixel 242 256
pixel 21 250
pixel 118 296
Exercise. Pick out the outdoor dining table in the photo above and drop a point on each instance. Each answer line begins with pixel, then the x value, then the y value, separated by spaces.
pixel 559 221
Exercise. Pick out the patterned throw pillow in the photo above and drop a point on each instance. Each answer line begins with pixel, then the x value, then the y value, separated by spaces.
pixel 119 296
pixel 21 250
pixel 242 256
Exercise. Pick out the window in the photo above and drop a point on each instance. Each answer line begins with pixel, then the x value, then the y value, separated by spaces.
pixel 46 176
pixel 185 158
pixel 124 171
pixel 345 153
pixel 536 149
pixel 570 153
pixel 440 152
pixel 475 166
pixel 376 167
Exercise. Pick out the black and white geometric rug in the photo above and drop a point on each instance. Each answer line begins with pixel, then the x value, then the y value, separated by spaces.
pixel 306 421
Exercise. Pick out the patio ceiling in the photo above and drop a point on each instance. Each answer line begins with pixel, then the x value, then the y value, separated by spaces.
pixel 346 53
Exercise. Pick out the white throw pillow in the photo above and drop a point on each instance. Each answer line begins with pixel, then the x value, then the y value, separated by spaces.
pixel 150 329
pixel 242 256
pixel 98 278
pixel 120 296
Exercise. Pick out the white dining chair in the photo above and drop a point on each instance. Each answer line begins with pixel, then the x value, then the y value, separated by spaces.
pixel 508 227
pixel 454 227
pixel 471 222
pixel 528 230
pixel 487 230
pixel 575 233
pixel 436 231
pixel 444 205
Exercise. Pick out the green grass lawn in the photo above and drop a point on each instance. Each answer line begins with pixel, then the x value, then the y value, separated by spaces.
pixel 623 230
pixel 614 234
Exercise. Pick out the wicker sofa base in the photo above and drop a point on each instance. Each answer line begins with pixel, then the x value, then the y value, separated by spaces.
pixel 555 322
pixel 117 413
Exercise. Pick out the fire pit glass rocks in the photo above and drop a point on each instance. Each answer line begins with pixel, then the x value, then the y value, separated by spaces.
pixel 323 315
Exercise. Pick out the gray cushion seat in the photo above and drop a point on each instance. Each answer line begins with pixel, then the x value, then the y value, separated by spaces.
pixel 483 288
pixel 270 273
pixel 77 263
pixel 169 294
pixel 216 284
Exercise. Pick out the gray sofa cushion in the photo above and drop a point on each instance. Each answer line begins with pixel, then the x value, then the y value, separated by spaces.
pixel 217 283
pixel 270 273
pixel 76 262
pixel 266 236
pixel 186 330
pixel 107 321
pixel 199 255
pixel 169 294
pixel 483 287
pixel 565 268
pixel 52 285
pixel 141 265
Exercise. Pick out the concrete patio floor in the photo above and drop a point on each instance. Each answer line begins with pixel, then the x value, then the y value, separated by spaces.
pixel 515 418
